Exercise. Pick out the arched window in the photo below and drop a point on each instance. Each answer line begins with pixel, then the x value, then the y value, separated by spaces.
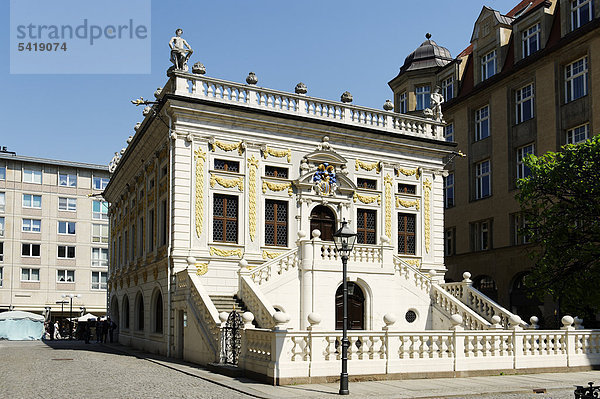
pixel 356 307
pixel 139 313
pixel 487 286
pixel 158 313
pixel 125 320
pixel 114 310
pixel 323 219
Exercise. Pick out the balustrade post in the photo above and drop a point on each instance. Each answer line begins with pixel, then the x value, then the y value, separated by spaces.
pixel 180 84
pixel 458 342
pixel 391 346
pixel 252 96
pixel 569 337
pixel 517 340
pixel 306 280
pixel 467 283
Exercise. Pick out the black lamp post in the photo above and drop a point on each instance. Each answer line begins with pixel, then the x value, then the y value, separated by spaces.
pixel 344 240
pixel 71 296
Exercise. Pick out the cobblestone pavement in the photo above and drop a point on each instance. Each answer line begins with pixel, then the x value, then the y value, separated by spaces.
pixel 71 369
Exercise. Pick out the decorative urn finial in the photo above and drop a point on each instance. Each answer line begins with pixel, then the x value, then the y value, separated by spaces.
pixel 301 88
pixel 346 97
pixel 252 79
pixel 198 68
pixel 428 35
pixel 388 105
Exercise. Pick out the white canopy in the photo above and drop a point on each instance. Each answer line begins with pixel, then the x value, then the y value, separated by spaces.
pixel 20 315
pixel 85 317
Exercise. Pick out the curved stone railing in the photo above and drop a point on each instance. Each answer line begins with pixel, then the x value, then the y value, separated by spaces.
pixel 360 253
pixel 187 84
pixel 275 267
pixel 421 280
pixel 289 354
pixel 479 302
pixel 450 305
pixel 205 312
pixel 256 302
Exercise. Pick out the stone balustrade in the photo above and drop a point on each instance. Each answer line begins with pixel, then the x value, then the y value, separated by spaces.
pixel 275 267
pixel 288 355
pixel 218 90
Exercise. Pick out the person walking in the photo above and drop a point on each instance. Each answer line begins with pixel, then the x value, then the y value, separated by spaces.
pixel 98 330
pixel 112 328
pixel 87 332
pixel 56 331
pixel 105 326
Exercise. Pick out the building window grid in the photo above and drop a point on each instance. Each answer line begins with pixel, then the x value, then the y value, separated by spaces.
pixel 99 280
pixel 32 176
pixel 402 103
pixel 225 218
pixel 578 134
pixel 482 179
pixel 2 172
pixel 227 165
pixel 2 202
pixel 582 12
pixel 66 227
pixel 576 75
pixel 100 183
pixel 1 226
pixel 67 204
pixel 32 201
pixel 65 276
pixel 99 257
pixel 449 242
pixel 30 250
pixel 276 214
pixel 406 233
pixel 1 275
pixel 448 88
pixel 531 40
pixel 488 65
pixel 275 171
pixel 366 226
pixel 30 225
pixel 449 132
pixel 423 94
pixel 1 253
pixel 66 252
pixel 30 274
pixel 481 233
pixel 100 210
pixel 369 184
pixel 522 152
pixel 67 180
pixel 449 190
pixel 100 233
pixel 482 123
pixel 524 103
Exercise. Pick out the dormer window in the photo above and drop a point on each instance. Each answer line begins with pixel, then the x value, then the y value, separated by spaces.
pixel 581 13
pixel 423 94
pixel 448 88
pixel 488 65
pixel 531 40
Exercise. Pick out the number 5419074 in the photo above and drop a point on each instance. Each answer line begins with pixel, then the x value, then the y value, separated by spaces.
pixel 42 46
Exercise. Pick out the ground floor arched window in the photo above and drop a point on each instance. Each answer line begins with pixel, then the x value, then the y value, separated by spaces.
pixel 125 320
pixel 139 314
pixel 158 313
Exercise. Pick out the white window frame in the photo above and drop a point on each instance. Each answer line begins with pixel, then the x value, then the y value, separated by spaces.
pixel 30 199
pixel 449 132
pixel 31 175
pixel 577 8
pixel 1 275
pixel 68 204
pixel 70 180
pixel 2 202
pixel 518 223
pixel 482 118
pixel 31 223
pixel 573 133
pixel 99 285
pixel 99 183
pixel 449 189
pixel 522 152
pixel 423 95
pixel 483 179
pixel 97 259
pixel 488 65
pixel 524 101
pixel 30 245
pixel 403 103
pixel 531 40
pixel 449 241
pixel 448 88
pixel 574 71
pixel 99 229
pixel 66 252
pixel 482 235
pixel 66 274
pixel 1 256
pixel 67 224
pixel 2 226
pixel 30 274
pixel 102 213
pixel 2 172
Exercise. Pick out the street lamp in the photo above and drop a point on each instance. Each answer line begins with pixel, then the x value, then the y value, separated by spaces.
pixel 71 296
pixel 62 314
pixel 344 240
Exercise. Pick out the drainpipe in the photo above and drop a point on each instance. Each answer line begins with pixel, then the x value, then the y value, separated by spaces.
pixel 170 210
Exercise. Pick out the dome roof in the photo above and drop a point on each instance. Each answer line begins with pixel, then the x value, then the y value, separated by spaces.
pixel 427 55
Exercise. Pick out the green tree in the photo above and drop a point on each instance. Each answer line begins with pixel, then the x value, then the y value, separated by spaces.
pixel 560 201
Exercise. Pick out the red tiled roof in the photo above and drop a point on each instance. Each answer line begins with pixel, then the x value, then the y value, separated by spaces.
pixel 523 4
pixel 466 51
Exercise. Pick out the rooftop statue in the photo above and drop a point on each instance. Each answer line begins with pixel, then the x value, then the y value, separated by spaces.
pixel 180 51
pixel 437 99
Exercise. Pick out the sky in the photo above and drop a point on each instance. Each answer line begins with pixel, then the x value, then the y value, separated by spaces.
pixel 331 45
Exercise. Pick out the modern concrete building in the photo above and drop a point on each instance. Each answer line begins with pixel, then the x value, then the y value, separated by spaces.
pixel 53 235
pixel 527 83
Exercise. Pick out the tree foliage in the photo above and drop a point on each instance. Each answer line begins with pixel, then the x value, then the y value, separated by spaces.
pixel 560 201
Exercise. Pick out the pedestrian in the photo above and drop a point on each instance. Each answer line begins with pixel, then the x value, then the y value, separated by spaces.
pixel 112 328
pixel 56 331
pixel 51 330
pixel 98 330
pixel 87 332
pixel 105 327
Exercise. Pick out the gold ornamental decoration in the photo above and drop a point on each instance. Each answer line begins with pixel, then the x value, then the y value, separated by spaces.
pixel 389 183
pixel 270 254
pixel 416 172
pixel 407 203
pixel 413 262
pixel 368 166
pixel 426 209
pixel 225 252
pixel 277 187
pixel 200 158
pixel 201 269
pixel 155 273
pixel 227 183
pixel 253 198
pixel 367 199
pixel 277 153
pixel 228 146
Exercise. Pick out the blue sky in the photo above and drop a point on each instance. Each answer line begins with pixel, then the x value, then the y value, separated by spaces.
pixel 330 45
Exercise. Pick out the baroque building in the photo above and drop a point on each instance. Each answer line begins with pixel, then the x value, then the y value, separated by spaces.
pixel 53 236
pixel 524 85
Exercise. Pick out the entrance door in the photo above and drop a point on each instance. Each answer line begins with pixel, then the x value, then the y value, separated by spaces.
pixel 323 218
pixel 356 307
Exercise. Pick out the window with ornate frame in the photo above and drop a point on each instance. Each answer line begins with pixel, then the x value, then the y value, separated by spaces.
pixel 366 226
pixel 225 218
pixel 407 223
pixel 276 230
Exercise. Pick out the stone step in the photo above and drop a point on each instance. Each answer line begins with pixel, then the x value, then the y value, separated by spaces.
pixel 226 304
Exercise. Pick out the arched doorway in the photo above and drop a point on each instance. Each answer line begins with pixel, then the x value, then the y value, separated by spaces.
pixel 487 286
pixel 356 307
pixel 323 219
pixel 114 310
pixel 125 321
pixel 520 303
pixel 158 313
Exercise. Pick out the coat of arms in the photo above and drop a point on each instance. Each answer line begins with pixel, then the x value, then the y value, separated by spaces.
pixel 325 180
